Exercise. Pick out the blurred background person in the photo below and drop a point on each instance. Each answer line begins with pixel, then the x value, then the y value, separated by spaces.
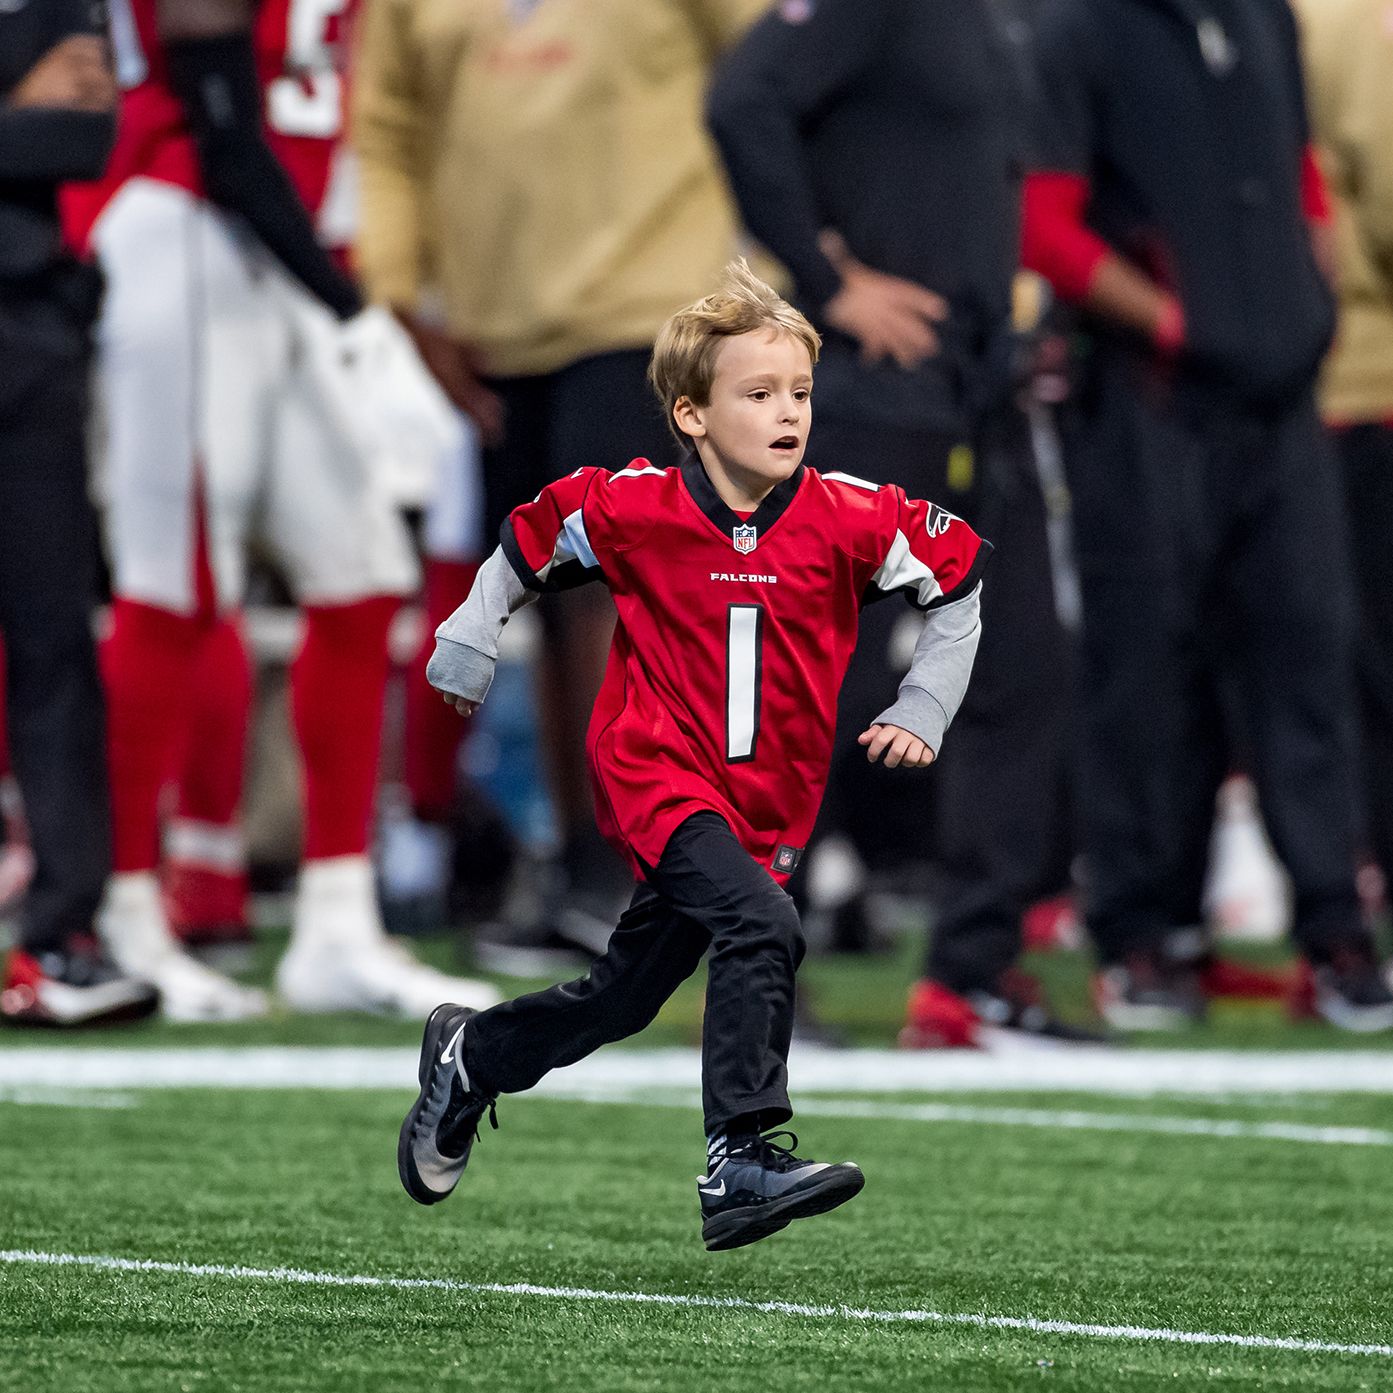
pixel 242 381
pixel 1349 64
pixel 543 165
pixel 876 149
pixel 1209 532
pixel 57 122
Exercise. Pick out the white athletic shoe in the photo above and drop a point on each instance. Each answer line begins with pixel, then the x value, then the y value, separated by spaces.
pixel 339 959
pixel 132 925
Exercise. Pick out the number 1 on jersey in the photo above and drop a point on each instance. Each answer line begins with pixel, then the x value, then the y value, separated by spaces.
pixel 743 678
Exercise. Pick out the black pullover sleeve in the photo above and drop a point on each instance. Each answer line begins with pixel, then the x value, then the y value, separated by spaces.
pixel 216 82
pixel 41 147
pixel 767 90
pixel 54 144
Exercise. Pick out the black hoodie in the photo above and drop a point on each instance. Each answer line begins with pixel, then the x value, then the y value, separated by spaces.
pixel 1188 119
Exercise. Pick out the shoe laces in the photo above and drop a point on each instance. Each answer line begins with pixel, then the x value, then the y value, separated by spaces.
pixel 458 1131
pixel 765 1151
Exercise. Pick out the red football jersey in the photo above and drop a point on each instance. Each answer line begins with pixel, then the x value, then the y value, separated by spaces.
pixel 734 635
pixel 300 58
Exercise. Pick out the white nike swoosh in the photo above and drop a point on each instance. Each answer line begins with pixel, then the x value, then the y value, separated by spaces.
pixel 714 1190
pixel 448 1054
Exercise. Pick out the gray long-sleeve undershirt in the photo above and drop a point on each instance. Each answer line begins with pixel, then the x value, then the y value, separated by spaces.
pixel 466 644
pixel 466 651
pixel 934 686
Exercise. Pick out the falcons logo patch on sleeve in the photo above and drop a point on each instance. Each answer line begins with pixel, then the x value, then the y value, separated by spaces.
pixel 939 520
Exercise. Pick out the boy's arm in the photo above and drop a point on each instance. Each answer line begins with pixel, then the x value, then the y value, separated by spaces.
pixel 934 686
pixel 935 560
pixel 545 547
pixel 466 644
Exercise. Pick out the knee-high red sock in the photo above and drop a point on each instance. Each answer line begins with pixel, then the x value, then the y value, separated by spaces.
pixel 337 687
pixel 146 665
pixel 210 776
pixel 205 862
pixel 434 730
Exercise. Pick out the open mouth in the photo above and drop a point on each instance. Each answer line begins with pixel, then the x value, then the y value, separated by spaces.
pixel 785 442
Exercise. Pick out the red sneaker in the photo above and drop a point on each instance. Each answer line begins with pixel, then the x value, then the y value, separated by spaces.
pixel 73 987
pixel 1052 923
pixel 1222 977
pixel 938 1019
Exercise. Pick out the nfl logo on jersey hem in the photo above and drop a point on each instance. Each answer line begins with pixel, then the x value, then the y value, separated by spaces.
pixel 786 859
pixel 744 538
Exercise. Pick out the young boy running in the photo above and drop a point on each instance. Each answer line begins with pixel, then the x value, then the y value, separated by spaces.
pixel 738 579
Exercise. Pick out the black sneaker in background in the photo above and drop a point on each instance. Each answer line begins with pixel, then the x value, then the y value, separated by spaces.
pixel 1149 992
pixel 757 1187
pixel 71 987
pixel 571 929
pixel 1352 993
pixel 1016 1003
pixel 440 1130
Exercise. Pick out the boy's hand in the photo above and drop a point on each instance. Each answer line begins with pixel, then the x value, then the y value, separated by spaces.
pixel 900 747
pixel 465 708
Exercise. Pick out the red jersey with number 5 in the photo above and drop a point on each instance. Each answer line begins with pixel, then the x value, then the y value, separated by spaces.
pixel 300 46
pixel 733 637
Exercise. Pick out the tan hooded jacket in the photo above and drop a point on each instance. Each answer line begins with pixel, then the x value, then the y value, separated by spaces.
pixel 1349 65
pixel 545 164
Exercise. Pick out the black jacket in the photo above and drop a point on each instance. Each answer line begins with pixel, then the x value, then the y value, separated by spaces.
pixel 1188 119
pixel 901 125
pixel 40 147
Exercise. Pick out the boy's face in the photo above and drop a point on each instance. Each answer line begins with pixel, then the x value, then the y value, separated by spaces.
pixel 754 430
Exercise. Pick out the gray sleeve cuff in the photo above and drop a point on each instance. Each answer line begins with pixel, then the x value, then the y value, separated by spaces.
pixel 936 682
pixel 918 712
pixel 466 644
pixel 459 670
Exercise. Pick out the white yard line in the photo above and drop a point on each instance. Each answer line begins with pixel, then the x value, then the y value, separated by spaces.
pixel 65 1098
pixel 1123 1072
pixel 31 1257
pixel 1069 1119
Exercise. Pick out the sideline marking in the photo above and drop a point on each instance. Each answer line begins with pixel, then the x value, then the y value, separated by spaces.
pixel 1133 1073
pixel 1068 1119
pixel 65 1098
pixel 31 1257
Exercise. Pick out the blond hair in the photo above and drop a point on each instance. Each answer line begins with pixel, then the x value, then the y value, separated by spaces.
pixel 684 356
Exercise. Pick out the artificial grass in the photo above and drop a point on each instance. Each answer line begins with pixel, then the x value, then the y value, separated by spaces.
pixel 1233 1235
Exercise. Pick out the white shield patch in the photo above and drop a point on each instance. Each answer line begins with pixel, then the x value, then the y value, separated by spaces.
pixel 744 538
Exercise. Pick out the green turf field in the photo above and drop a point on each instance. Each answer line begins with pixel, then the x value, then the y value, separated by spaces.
pixel 980 1209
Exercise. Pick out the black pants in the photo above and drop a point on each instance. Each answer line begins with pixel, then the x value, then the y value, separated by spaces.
pixel 1005 831
pixel 705 893
pixel 887 814
pixel 48 555
pixel 1211 546
pixel 597 411
pixel 1366 453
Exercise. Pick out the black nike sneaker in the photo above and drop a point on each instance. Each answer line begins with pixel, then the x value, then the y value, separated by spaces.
pixel 77 985
pixel 443 1124
pixel 757 1187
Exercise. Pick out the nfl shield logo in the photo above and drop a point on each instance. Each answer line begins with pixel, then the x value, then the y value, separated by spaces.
pixel 744 538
